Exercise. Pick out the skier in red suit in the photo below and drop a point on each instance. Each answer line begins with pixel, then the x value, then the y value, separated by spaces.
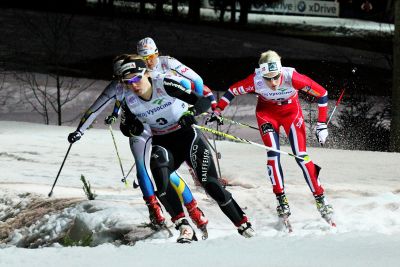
pixel 278 105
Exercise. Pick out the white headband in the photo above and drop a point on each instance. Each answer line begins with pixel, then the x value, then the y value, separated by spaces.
pixel 117 67
pixel 130 65
pixel 270 67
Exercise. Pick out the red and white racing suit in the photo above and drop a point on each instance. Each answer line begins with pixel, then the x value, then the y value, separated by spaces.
pixel 281 107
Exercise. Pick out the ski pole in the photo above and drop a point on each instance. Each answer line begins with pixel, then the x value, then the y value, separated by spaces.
pixel 239 123
pixel 217 154
pixel 353 72
pixel 212 147
pixel 245 141
pixel 337 104
pixel 59 171
pixel 135 184
pixel 129 172
pixel 119 158
pixel 233 122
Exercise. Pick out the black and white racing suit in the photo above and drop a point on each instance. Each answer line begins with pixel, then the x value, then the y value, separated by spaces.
pixel 174 144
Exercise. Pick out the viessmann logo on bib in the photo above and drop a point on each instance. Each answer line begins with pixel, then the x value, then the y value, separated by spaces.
pixel 154 110
pixel 158 101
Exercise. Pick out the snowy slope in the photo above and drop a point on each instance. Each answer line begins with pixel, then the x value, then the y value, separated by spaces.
pixel 363 187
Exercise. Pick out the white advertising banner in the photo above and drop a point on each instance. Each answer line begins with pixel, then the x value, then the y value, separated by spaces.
pixel 295 7
pixel 301 7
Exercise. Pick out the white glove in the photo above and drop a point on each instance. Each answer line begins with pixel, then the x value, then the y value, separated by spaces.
pixel 321 131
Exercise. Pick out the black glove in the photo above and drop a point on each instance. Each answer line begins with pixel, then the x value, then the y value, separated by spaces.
pixel 74 136
pixel 133 129
pixel 130 125
pixel 215 116
pixel 111 119
pixel 187 119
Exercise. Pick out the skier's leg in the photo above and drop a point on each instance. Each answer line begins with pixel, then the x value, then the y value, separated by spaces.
pixel 181 187
pixel 141 149
pixel 162 165
pixel 270 138
pixel 186 196
pixel 202 162
pixel 297 139
pixel 269 130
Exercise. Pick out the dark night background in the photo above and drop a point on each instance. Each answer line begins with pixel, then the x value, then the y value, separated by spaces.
pixel 72 38
pixel 222 53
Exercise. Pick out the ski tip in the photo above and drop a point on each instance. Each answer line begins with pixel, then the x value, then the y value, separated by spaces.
pixel 184 241
pixel 204 235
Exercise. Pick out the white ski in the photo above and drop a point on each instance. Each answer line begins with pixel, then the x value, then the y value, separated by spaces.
pixel 204 233
pixel 157 228
pixel 286 223
pixel 329 220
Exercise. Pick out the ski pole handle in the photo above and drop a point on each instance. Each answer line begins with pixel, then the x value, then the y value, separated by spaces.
pixel 232 121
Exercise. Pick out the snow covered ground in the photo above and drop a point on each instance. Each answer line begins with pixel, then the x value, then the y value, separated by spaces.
pixel 362 186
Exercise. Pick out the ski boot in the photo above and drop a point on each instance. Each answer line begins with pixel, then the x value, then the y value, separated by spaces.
pixel 196 214
pixel 283 211
pixel 245 229
pixel 198 218
pixel 155 212
pixel 325 209
pixel 187 234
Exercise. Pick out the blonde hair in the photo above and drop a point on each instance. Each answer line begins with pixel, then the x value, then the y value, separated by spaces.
pixel 133 56
pixel 269 56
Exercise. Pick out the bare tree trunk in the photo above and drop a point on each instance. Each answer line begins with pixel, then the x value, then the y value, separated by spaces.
pixel 395 124
pixel 175 8
pixel 5 94
pixel 142 6
pixel 160 8
pixel 194 10
pixel 244 11
pixel 58 100
pixel 233 11
pixel 220 5
pixel 389 13
pixel 110 6
pixel 222 9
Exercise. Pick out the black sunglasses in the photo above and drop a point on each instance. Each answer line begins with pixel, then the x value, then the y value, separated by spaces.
pixel 275 78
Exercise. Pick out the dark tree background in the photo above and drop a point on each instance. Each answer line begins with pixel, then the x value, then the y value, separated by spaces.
pixel 222 61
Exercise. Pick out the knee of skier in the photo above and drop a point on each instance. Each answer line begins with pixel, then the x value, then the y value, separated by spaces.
pixel 272 154
pixel 266 128
pixel 161 164
pixel 217 192
pixel 160 158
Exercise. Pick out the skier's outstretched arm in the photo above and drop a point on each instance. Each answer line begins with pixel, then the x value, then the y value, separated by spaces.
pixel 187 73
pixel 94 110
